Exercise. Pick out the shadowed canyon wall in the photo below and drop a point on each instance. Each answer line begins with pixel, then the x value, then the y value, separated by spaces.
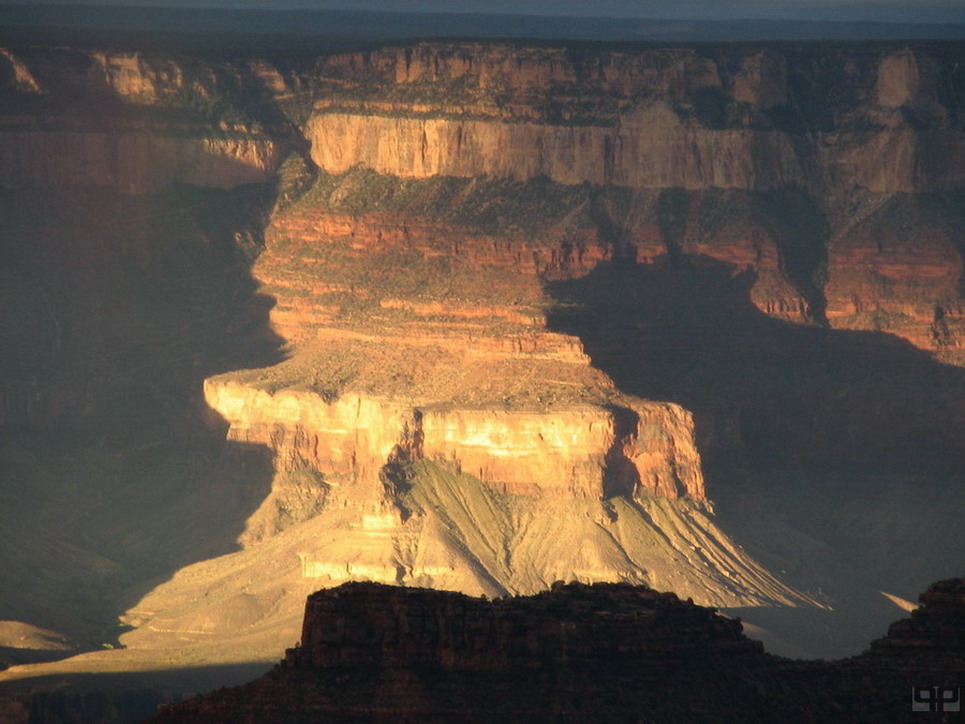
pixel 122 288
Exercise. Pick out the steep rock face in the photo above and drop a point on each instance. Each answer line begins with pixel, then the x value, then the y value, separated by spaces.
pixel 584 652
pixel 651 148
pixel 575 453
pixel 651 119
pixel 484 338
pixel 739 118
pixel 457 310
pixel 881 123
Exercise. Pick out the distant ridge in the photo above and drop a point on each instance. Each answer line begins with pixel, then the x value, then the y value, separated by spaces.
pixel 349 27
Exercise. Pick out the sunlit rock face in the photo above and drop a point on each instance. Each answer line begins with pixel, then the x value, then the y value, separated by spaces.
pixel 457 184
pixel 651 148
pixel 566 454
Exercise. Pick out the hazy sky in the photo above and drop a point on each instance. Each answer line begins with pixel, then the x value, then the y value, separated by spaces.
pixel 918 11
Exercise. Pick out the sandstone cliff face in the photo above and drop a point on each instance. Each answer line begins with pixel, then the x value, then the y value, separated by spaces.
pixel 412 278
pixel 651 119
pixel 739 118
pixel 879 123
pixel 651 148
pixel 576 453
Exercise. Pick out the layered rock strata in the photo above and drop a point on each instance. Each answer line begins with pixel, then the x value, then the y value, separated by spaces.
pixel 883 127
pixel 649 119
pixel 525 292
pixel 560 454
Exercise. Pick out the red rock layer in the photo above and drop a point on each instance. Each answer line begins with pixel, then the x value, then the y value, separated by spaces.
pixel 900 271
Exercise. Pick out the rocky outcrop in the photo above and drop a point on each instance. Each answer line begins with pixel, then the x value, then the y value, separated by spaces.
pixel 883 124
pixel 899 270
pixel 602 651
pixel 572 643
pixel 524 292
pixel 932 640
pixel 651 148
pixel 651 119
pixel 573 453
pixel 403 627
pixel 883 121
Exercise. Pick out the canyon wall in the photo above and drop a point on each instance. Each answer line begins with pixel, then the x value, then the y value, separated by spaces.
pixel 650 148
pixel 744 119
pixel 131 122
pixel 855 134
pixel 735 118
pixel 471 315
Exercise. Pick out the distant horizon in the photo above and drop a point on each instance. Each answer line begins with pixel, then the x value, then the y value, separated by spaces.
pixel 346 24
pixel 877 11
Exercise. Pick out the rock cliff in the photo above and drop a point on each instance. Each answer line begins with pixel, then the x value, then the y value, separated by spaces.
pixel 654 118
pixel 582 652
pixel 873 126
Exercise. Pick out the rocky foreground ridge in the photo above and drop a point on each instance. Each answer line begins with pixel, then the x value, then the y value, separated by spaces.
pixel 601 652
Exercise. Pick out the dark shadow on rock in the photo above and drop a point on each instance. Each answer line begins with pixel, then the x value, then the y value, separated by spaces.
pixel 115 309
pixel 116 697
pixel 685 330
pixel 832 457
pixel 621 476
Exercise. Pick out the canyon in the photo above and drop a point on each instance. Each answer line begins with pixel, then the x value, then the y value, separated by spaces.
pixel 475 317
